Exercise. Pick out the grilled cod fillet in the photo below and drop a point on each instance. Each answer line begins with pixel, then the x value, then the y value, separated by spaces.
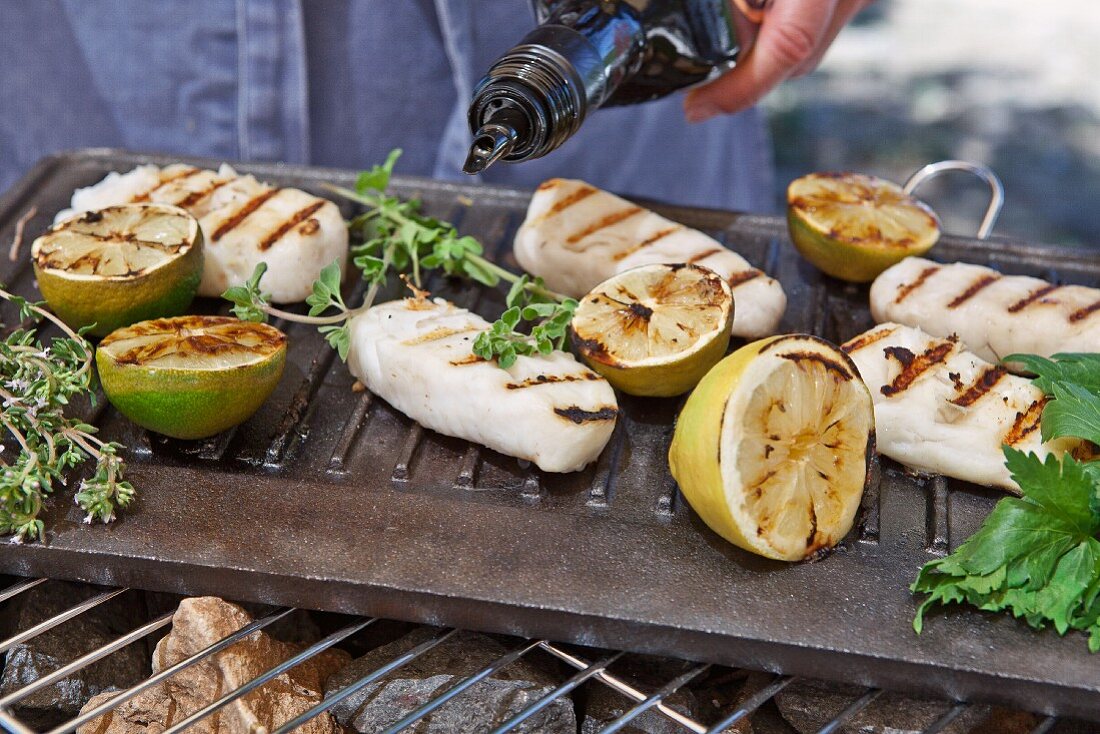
pixel 244 222
pixel 550 410
pixel 944 410
pixel 576 236
pixel 994 315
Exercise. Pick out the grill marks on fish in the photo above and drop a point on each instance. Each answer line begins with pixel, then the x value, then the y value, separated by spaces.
pixel 1026 422
pixel 551 379
pixel 1032 297
pixel 704 255
pixel 744 276
pixel 829 364
pixel 608 220
pixel 242 214
pixel 194 197
pixel 579 195
pixel 906 290
pixel 983 281
pixel 655 237
pixel 580 415
pixel 441 332
pixel 164 181
pixel 468 360
pixel 865 340
pixel 1083 313
pixel 913 366
pixel 982 385
pixel 290 223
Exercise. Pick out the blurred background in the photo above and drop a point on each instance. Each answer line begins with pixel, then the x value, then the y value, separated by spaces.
pixel 1007 83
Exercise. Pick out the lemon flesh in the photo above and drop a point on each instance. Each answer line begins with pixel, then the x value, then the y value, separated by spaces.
pixel 119 265
pixel 655 330
pixel 853 226
pixel 773 447
pixel 191 376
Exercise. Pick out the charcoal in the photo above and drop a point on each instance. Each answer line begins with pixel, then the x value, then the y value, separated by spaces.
pixel 485 705
pixel 45 653
pixel 198 623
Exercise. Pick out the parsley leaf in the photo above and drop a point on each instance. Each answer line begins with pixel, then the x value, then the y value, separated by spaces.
pixel 1035 556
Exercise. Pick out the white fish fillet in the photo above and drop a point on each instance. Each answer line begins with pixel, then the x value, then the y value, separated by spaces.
pixel 994 315
pixel 550 410
pixel 244 222
pixel 576 236
pixel 944 410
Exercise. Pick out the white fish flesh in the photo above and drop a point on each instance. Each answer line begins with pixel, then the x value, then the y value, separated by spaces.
pixel 576 236
pixel 994 315
pixel 550 410
pixel 244 222
pixel 944 410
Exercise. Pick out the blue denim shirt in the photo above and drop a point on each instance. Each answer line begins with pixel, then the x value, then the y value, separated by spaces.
pixel 329 82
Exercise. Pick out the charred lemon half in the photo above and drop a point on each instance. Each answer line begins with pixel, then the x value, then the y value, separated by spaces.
pixel 773 447
pixel 191 376
pixel 853 226
pixel 116 266
pixel 655 330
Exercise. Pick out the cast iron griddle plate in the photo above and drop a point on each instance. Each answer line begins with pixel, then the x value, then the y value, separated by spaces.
pixel 330 499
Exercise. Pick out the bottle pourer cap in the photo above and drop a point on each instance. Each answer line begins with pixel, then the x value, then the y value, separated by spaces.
pixel 492 141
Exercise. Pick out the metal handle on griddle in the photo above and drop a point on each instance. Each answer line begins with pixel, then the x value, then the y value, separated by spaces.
pixel 997 190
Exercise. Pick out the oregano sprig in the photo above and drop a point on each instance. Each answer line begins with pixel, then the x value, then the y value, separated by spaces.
pixel 398 239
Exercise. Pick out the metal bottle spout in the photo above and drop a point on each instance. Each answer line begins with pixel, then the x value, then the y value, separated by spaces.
pixel 493 141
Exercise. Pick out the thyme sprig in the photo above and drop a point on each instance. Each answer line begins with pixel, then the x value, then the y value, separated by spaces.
pixel 37 383
pixel 398 239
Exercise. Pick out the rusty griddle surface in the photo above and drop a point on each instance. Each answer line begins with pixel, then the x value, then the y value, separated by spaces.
pixel 332 500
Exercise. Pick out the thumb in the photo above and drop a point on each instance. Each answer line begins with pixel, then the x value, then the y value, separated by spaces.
pixel 789 36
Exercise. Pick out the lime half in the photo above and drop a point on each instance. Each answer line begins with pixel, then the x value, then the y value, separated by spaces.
pixel 120 265
pixel 772 449
pixel 191 376
pixel 656 329
pixel 853 226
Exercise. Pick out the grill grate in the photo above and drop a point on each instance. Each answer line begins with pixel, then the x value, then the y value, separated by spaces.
pixel 596 669
pixel 402 523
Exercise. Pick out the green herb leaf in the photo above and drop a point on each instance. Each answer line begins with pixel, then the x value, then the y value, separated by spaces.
pixel 249 304
pixel 378 177
pixel 1035 556
pixel 1079 369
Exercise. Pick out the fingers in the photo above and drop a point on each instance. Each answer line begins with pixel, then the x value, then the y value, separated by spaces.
pixel 845 11
pixel 792 33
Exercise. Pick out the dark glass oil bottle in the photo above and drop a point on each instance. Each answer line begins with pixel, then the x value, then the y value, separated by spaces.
pixel 586 54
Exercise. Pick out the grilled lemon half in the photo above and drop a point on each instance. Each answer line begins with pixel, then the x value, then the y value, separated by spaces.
pixel 655 330
pixel 773 448
pixel 119 265
pixel 854 226
pixel 191 376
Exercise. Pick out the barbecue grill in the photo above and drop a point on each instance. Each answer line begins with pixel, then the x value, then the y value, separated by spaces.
pixel 329 499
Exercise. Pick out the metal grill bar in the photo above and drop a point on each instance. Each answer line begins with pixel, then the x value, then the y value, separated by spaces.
pixel 279 669
pixel 754 702
pixel 944 721
pixel 12 724
pixel 363 682
pixel 1045 725
pixel 461 686
pixel 853 708
pixel 52 622
pixel 624 688
pixel 153 680
pixel 85 660
pixel 557 693
pixel 16 589
pixel 670 687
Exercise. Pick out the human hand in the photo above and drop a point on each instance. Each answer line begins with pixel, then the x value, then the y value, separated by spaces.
pixel 793 38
